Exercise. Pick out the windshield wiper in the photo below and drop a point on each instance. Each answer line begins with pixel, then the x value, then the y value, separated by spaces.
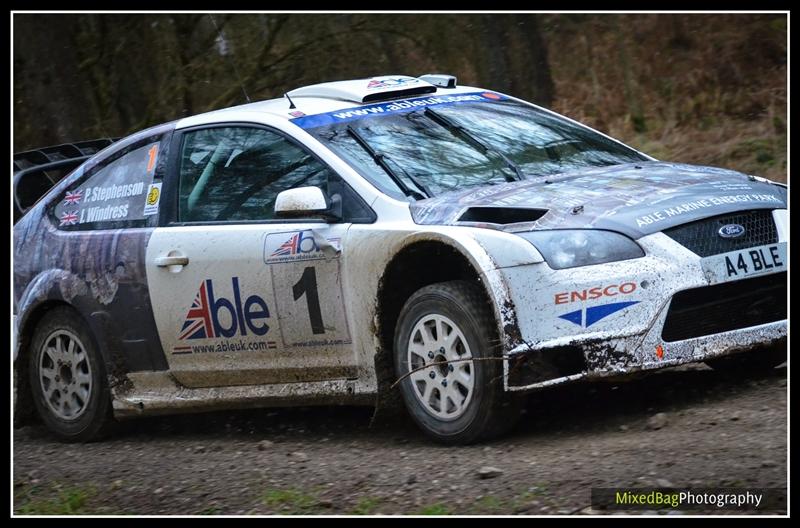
pixel 467 136
pixel 382 162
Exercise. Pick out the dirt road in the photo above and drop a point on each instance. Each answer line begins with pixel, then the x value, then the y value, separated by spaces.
pixel 716 430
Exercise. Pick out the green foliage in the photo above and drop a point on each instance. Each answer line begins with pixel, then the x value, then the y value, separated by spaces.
pixel 488 504
pixel 639 123
pixel 366 506
pixel 67 501
pixel 761 149
pixel 291 501
pixel 435 509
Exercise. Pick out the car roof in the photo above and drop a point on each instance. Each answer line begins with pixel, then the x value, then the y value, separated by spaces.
pixel 330 97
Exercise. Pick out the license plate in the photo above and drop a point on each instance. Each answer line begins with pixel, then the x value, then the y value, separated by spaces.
pixel 746 262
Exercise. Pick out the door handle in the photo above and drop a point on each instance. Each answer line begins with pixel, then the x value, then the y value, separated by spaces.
pixel 173 260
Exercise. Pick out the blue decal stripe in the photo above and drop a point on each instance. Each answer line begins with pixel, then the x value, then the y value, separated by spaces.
pixel 574 317
pixel 595 313
pixel 393 107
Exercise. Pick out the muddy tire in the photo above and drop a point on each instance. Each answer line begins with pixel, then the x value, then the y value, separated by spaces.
pixel 68 379
pixel 758 360
pixel 454 400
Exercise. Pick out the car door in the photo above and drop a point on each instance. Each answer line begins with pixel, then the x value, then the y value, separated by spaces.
pixel 239 296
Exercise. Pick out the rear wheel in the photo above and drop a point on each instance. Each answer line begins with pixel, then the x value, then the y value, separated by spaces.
pixel 757 360
pixel 446 340
pixel 67 378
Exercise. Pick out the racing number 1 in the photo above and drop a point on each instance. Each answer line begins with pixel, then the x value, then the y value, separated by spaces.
pixel 151 157
pixel 307 285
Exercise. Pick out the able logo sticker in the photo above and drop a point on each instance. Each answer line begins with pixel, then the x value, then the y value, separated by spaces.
pixel 153 197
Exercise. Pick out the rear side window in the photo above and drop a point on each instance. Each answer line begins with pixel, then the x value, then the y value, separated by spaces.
pixel 231 174
pixel 121 193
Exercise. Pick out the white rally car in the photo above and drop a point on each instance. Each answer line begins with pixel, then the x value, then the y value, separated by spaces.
pixel 365 238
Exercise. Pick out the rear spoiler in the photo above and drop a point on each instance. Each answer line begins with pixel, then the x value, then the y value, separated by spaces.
pixel 37 171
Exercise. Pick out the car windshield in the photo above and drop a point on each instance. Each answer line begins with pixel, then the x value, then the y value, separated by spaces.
pixel 431 147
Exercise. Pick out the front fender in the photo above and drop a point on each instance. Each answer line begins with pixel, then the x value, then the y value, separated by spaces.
pixel 486 250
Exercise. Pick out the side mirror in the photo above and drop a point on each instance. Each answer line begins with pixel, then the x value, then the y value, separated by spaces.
pixel 307 201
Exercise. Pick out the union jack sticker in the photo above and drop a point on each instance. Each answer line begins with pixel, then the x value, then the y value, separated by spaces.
pixel 198 320
pixel 69 218
pixel 73 197
pixel 290 247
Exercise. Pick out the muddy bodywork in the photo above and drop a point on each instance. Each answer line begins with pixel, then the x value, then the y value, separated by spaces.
pixel 112 275
pixel 634 199
pixel 367 252
pixel 158 393
pixel 100 273
pixel 538 368
pixel 633 338
pixel 549 341
pixel 479 247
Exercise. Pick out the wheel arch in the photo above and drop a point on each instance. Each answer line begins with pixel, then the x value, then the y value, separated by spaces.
pixel 41 298
pixel 424 259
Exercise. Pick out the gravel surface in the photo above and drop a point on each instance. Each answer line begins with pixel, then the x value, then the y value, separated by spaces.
pixel 688 427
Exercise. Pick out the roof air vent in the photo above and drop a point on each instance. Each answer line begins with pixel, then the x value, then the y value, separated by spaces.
pixel 367 90
pixel 440 80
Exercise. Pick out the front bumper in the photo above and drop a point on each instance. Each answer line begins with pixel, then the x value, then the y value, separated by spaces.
pixel 609 319
pixel 615 357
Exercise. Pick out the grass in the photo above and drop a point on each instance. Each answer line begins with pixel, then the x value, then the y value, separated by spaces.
pixel 435 509
pixel 296 502
pixel 291 501
pixel 67 501
pixel 366 506
pixel 487 505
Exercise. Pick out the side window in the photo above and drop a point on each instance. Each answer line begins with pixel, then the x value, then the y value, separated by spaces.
pixel 235 173
pixel 119 194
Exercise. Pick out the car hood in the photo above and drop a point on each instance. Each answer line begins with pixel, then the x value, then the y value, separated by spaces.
pixel 635 199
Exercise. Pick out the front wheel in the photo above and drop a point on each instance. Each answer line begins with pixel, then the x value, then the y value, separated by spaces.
pixel 67 378
pixel 447 340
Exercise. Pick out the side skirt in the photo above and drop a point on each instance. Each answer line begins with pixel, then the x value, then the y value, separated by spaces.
pixel 154 393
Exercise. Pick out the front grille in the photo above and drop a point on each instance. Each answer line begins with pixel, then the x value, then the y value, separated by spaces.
pixel 725 307
pixel 703 238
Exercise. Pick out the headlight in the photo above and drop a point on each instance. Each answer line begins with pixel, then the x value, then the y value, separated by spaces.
pixel 570 248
